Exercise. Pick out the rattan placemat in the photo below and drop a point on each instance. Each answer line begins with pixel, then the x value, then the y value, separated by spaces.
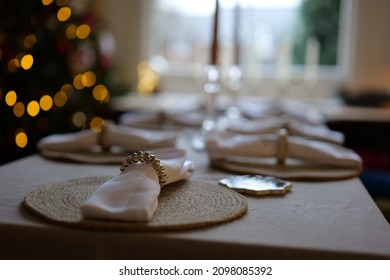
pixel 292 171
pixel 182 205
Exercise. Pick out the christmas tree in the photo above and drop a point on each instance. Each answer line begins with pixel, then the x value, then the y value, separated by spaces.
pixel 55 67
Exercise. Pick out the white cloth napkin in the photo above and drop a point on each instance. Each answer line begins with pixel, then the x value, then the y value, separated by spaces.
pixel 294 127
pixel 263 108
pixel 129 139
pixel 221 146
pixel 133 195
pixel 183 118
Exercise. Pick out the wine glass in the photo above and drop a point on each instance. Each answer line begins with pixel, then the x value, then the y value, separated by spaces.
pixel 212 87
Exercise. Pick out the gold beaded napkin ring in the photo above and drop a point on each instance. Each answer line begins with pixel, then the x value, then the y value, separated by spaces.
pixel 147 158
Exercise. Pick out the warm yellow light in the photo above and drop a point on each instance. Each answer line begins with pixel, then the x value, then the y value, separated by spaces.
pixel 30 40
pixel 60 98
pixel 96 124
pixel 19 109
pixel 68 88
pixel 21 139
pixel 83 31
pixel 64 14
pixel 88 79
pixel 61 3
pixel 27 61
pixel 13 65
pixel 47 2
pixel 79 119
pixel 33 108
pixel 70 31
pixel 10 98
pixel 100 93
pixel 77 82
pixel 148 79
pixel 46 102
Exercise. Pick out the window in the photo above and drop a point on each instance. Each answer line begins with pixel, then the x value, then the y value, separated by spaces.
pixel 276 38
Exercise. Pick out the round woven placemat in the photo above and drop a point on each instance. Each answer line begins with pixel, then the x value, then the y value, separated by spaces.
pixel 182 205
pixel 306 172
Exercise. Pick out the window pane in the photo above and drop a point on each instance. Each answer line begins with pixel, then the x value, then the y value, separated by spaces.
pixel 270 32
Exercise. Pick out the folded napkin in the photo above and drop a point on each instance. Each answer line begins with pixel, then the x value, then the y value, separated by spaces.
pixel 133 195
pixel 253 108
pixel 126 138
pixel 181 118
pixel 294 127
pixel 222 146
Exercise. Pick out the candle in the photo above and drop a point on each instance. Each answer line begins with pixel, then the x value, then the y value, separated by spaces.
pixel 283 74
pixel 236 33
pixel 214 45
pixel 312 60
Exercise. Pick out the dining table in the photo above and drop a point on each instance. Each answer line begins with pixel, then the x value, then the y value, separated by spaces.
pixel 320 219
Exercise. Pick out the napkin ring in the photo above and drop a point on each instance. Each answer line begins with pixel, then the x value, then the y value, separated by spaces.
pixel 102 137
pixel 282 152
pixel 147 158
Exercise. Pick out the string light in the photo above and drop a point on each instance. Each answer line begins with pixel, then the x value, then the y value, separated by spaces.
pixel 96 124
pixel 83 31
pixel 67 88
pixel 77 82
pixel 148 79
pixel 79 119
pixel 47 2
pixel 60 98
pixel 88 79
pixel 64 14
pixel 19 109
pixel 33 108
pixel 29 41
pixel 100 93
pixel 21 138
pixel 13 65
pixel 46 102
pixel 27 61
pixel 10 98
pixel 61 3
pixel 70 32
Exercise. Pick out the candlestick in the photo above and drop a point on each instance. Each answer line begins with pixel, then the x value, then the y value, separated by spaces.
pixel 236 34
pixel 214 44
pixel 311 61
pixel 212 87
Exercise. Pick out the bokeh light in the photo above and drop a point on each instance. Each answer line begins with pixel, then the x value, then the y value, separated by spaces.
pixel 47 2
pixel 96 124
pixel 60 98
pixel 30 40
pixel 64 14
pixel 70 31
pixel 61 3
pixel 33 108
pixel 68 88
pixel 100 93
pixel 19 109
pixel 27 61
pixel 21 138
pixel 79 119
pixel 13 65
pixel 10 98
pixel 46 102
pixel 83 31
pixel 88 79
pixel 77 82
pixel 148 79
